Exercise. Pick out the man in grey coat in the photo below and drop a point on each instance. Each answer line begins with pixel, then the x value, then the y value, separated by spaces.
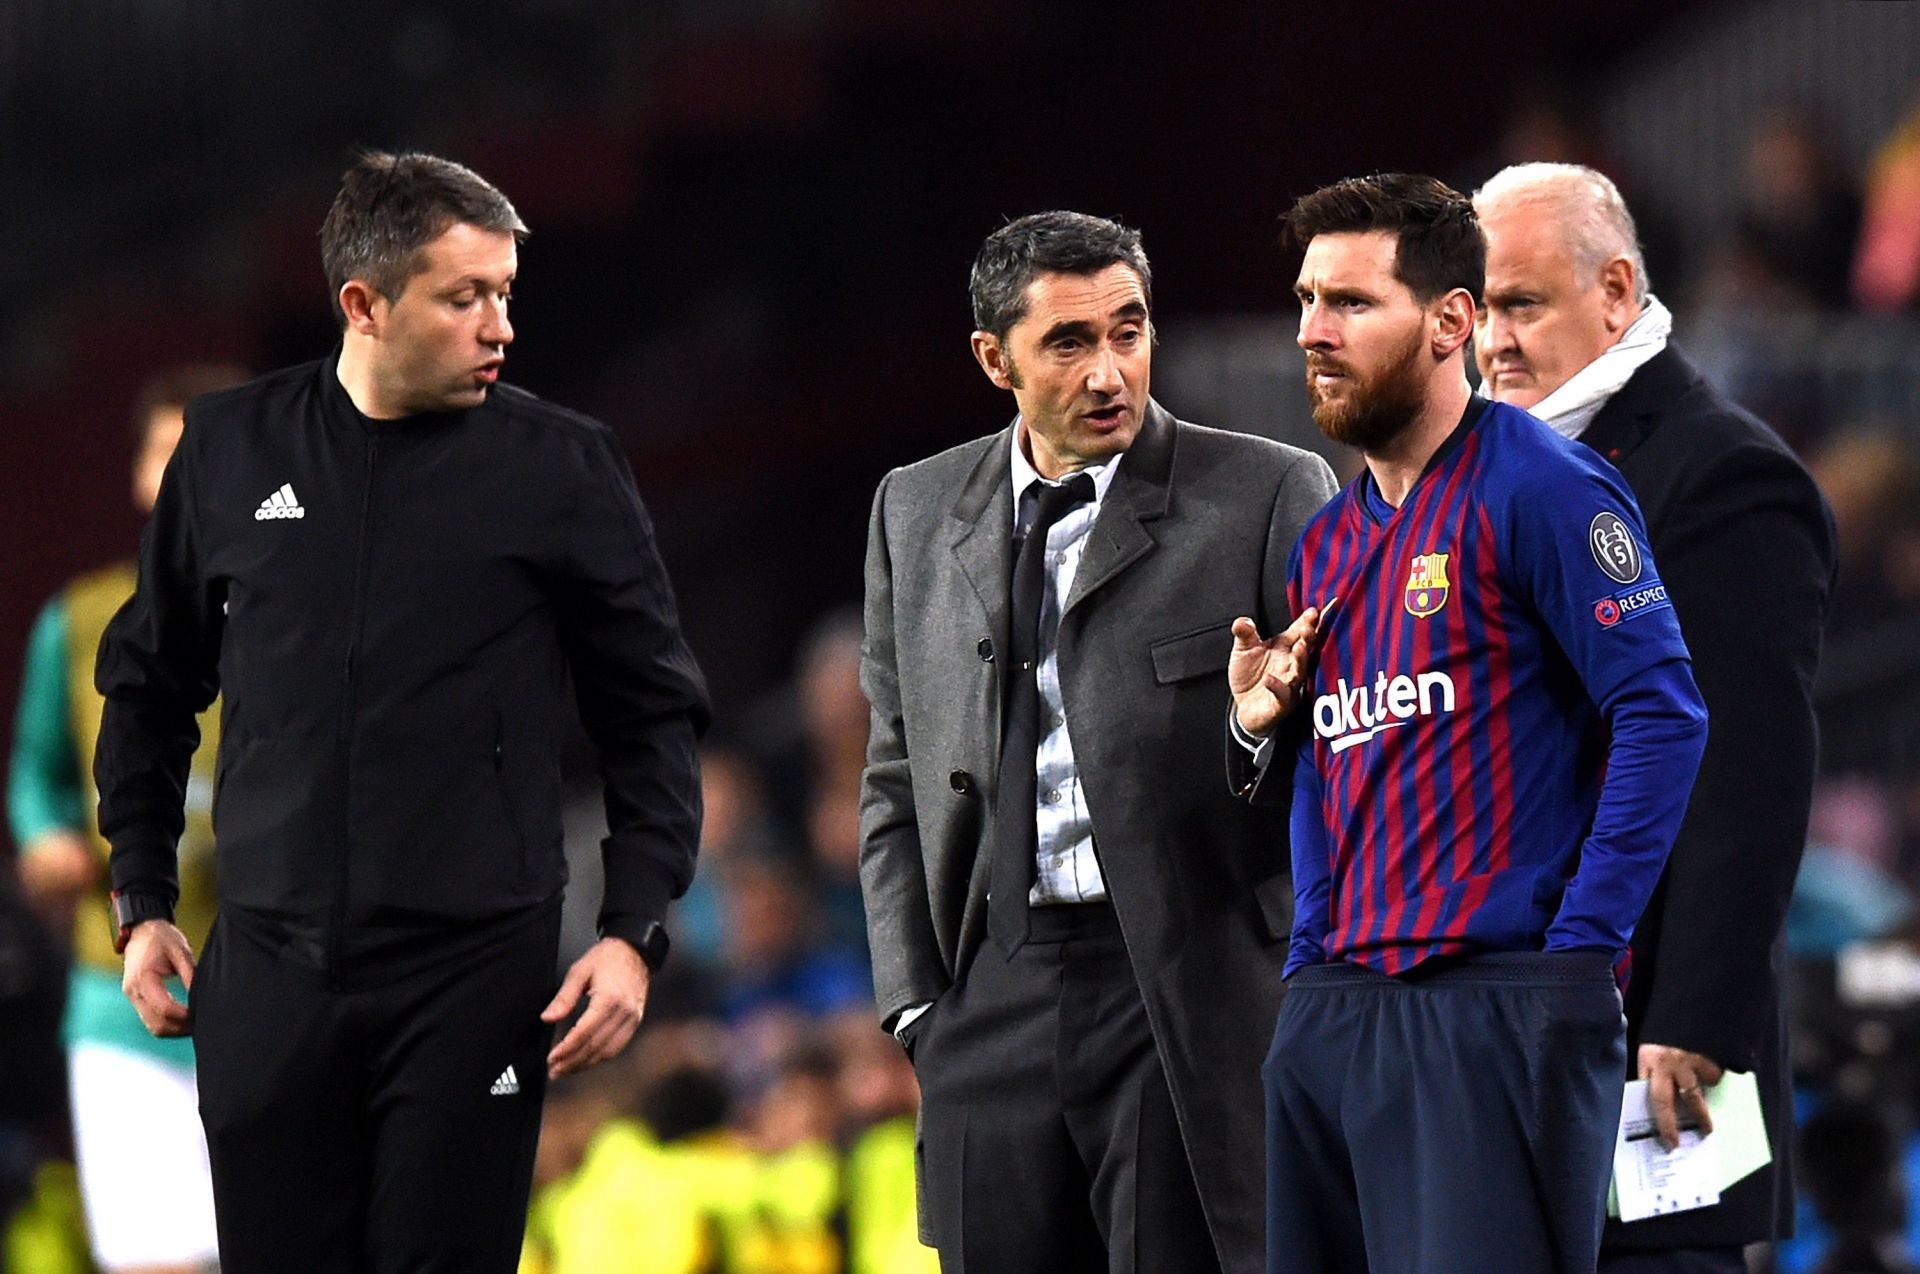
pixel 1077 934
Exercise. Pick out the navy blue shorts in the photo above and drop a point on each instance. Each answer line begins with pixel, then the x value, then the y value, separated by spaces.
pixel 1460 1119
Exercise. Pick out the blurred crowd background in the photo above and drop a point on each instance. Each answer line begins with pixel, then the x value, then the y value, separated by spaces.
pixel 752 224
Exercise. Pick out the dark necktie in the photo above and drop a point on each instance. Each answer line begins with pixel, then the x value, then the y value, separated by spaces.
pixel 1016 839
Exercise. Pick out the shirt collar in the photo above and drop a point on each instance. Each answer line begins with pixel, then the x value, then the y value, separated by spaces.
pixel 1025 475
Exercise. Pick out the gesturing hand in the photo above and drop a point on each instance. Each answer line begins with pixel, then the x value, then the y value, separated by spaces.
pixel 1268 677
pixel 157 951
pixel 614 979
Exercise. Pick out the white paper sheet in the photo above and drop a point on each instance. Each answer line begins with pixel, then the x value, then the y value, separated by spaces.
pixel 1650 1179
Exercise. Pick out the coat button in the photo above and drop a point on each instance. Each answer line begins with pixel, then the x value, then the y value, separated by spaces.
pixel 960 781
pixel 986 649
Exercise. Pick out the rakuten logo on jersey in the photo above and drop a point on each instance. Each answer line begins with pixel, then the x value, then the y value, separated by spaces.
pixel 1353 714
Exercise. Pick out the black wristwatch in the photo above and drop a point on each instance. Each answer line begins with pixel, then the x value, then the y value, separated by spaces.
pixel 130 909
pixel 653 945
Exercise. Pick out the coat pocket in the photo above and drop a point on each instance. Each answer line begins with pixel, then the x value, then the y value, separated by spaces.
pixel 1194 653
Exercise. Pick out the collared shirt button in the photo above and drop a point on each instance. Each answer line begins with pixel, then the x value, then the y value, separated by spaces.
pixel 1053 796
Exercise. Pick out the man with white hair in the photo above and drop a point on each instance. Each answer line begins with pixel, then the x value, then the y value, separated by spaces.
pixel 1745 544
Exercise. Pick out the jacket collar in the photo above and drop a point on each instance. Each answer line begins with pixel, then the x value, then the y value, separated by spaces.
pixel 1631 415
pixel 1139 494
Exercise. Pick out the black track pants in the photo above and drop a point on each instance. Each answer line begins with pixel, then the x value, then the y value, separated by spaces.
pixel 390 1128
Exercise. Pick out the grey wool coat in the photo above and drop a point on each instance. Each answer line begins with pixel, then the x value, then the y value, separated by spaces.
pixel 1195 530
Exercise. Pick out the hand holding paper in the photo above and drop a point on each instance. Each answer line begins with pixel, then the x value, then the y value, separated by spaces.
pixel 1650 1180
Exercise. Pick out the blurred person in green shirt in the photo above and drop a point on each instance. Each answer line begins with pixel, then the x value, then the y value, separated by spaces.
pixel 137 1137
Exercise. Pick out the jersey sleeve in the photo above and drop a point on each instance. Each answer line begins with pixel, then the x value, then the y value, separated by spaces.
pixel 1576 547
pixel 1657 729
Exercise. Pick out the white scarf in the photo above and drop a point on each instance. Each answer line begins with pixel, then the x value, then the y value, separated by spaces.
pixel 1572 407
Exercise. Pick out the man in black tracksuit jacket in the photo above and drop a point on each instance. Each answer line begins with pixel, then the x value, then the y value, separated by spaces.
pixel 389 567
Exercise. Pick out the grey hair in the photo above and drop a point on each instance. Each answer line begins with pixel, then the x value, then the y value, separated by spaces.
pixel 1592 215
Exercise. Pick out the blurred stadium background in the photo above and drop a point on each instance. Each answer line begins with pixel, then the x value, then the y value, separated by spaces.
pixel 752 224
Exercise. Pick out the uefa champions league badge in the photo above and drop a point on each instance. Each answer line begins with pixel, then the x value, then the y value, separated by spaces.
pixel 1614 550
pixel 1427 586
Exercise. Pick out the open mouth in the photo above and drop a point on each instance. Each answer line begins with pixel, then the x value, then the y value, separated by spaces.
pixel 1106 417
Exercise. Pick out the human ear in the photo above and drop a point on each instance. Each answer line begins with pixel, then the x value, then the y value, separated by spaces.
pixel 993 360
pixel 1617 291
pixel 363 306
pixel 1452 322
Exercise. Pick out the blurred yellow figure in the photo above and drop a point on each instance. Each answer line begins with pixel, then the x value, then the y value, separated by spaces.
pixel 48 1234
pixel 628 1207
pixel 883 1225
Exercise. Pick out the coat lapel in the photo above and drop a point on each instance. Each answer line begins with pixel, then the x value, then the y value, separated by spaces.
pixel 1119 537
pixel 983 534
pixel 982 522
pixel 1629 416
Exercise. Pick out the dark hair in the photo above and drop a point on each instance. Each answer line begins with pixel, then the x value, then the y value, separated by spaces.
pixel 1440 244
pixel 685 1101
pixel 174 388
pixel 391 206
pixel 1063 242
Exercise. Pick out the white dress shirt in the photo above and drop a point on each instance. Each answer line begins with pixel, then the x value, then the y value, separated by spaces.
pixel 1066 870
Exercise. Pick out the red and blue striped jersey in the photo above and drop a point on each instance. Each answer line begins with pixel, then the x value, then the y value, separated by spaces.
pixel 1446 800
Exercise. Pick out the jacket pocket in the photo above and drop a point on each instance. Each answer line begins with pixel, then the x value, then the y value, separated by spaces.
pixel 278 823
pixel 1196 653
pixel 435 832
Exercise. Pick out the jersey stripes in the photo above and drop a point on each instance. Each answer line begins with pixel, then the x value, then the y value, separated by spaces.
pixel 1457 745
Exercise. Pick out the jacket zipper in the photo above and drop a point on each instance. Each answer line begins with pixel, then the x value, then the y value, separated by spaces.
pixel 363 551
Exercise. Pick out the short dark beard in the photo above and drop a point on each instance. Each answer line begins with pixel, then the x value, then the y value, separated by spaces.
pixel 1380 408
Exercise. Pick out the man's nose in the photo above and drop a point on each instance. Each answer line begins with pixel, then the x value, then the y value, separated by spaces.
pixel 1104 376
pixel 1495 334
pixel 498 329
pixel 1315 332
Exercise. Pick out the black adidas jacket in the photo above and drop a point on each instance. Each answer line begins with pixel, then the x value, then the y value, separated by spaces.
pixel 391 610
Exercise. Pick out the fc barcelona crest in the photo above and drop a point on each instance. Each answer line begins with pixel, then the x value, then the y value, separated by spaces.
pixel 1427 585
